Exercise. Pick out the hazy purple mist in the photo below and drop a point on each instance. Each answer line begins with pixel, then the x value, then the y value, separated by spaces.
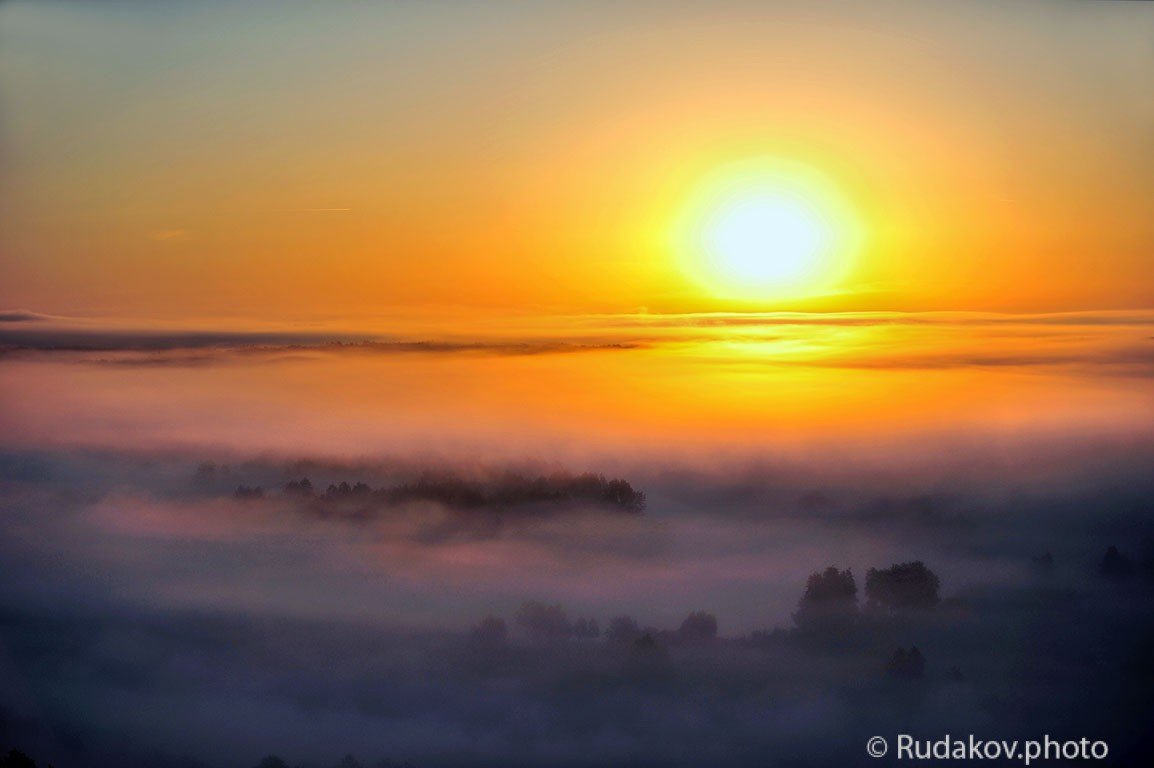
pixel 149 616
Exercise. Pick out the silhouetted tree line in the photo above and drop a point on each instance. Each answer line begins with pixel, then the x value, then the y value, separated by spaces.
pixel 1114 564
pixel 348 761
pixel 545 623
pixel 210 472
pixel 829 606
pixel 505 491
pixel 17 759
pixel 549 623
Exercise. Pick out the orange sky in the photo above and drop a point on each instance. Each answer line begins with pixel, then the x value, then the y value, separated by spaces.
pixel 342 159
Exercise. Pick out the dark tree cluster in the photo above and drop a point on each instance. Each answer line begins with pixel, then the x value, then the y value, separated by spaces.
pixel 830 598
pixel 245 492
pixel 907 665
pixel 346 491
pixel 508 490
pixel 586 629
pixel 902 587
pixel 210 472
pixel 549 623
pixel 829 601
pixel 513 489
pixel 647 650
pixel 17 759
pixel 1115 565
pixel 348 761
pixel 302 487
pixel 623 630
pixel 491 632
pixel 698 627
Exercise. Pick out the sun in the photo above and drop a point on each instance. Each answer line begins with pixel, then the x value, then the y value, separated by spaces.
pixel 767 229
pixel 765 238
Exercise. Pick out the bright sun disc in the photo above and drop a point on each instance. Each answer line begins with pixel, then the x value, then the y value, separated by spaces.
pixel 767 229
pixel 766 239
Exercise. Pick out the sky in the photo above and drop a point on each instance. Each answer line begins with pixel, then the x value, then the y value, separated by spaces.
pixel 215 159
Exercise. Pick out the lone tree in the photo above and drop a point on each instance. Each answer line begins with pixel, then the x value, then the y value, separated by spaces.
pixel 902 587
pixel 490 632
pixel 622 630
pixel 272 761
pixel 905 665
pixel 830 600
pixel 586 629
pixel 1115 565
pixel 544 623
pixel 17 759
pixel 698 627
pixel 647 651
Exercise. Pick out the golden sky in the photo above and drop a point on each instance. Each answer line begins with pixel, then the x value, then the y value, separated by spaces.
pixel 209 159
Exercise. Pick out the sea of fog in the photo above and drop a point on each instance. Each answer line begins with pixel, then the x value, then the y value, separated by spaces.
pixel 480 512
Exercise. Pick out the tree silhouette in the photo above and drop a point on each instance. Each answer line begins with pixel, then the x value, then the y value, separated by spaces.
pixel 245 492
pixel 272 761
pixel 698 626
pixel 646 650
pixel 829 602
pixel 17 759
pixel 302 487
pixel 905 665
pixel 543 623
pixel 586 629
pixel 1115 565
pixel 490 632
pixel 904 586
pixel 623 630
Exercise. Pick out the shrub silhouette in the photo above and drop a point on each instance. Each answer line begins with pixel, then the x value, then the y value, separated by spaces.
pixel 646 650
pixel 272 761
pixel 17 759
pixel 1115 565
pixel 1043 562
pixel 905 665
